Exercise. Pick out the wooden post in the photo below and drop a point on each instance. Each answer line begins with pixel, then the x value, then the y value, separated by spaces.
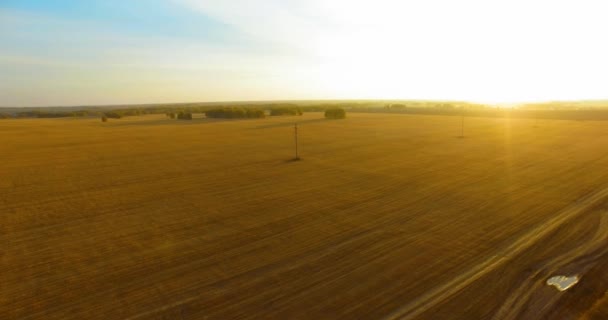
pixel 462 124
pixel 295 127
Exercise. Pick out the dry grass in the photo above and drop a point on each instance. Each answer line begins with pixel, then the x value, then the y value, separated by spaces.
pixel 148 217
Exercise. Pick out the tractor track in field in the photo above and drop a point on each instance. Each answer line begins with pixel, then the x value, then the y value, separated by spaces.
pixel 580 258
pixel 442 292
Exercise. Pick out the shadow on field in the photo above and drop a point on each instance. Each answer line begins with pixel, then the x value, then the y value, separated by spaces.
pixel 288 124
pixel 291 160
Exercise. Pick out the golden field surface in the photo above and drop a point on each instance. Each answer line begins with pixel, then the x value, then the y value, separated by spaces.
pixel 385 216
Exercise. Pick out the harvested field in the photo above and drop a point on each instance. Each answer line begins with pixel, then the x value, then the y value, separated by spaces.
pixel 386 216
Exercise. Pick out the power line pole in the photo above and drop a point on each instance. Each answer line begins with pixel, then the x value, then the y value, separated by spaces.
pixel 462 123
pixel 295 127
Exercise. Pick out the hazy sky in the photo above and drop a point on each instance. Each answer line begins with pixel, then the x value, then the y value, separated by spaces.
pixel 74 52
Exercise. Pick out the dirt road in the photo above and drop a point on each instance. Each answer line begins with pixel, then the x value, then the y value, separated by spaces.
pixel 435 296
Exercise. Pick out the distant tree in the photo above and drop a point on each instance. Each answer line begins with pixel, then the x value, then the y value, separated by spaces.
pixel 182 115
pixel 335 113
pixel 171 115
pixel 235 113
pixel 113 114
pixel 50 113
pixel 284 111
pixel 79 113
pixel 255 113
pixel 104 119
pixel 313 108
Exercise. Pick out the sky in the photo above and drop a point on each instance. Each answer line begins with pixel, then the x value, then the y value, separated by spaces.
pixel 97 52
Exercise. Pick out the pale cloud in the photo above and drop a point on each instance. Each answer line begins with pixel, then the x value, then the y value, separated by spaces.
pixel 480 50
pixel 49 61
pixel 471 49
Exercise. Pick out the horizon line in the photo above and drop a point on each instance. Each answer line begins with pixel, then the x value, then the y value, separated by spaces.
pixel 308 100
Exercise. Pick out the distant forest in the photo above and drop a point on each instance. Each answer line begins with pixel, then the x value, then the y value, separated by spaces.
pixel 577 110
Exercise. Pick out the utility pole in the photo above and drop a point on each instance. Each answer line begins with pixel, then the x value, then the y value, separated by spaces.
pixel 462 123
pixel 295 127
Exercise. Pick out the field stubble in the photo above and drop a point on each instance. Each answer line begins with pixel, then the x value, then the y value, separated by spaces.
pixel 154 218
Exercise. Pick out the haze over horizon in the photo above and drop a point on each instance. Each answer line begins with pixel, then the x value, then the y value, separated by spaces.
pixel 67 52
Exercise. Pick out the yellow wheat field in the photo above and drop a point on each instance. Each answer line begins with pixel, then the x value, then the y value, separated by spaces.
pixel 152 218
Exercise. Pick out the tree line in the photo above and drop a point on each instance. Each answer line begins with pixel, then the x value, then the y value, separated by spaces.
pixel 251 110
pixel 286 111
pixel 335 113
pixel 235 113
